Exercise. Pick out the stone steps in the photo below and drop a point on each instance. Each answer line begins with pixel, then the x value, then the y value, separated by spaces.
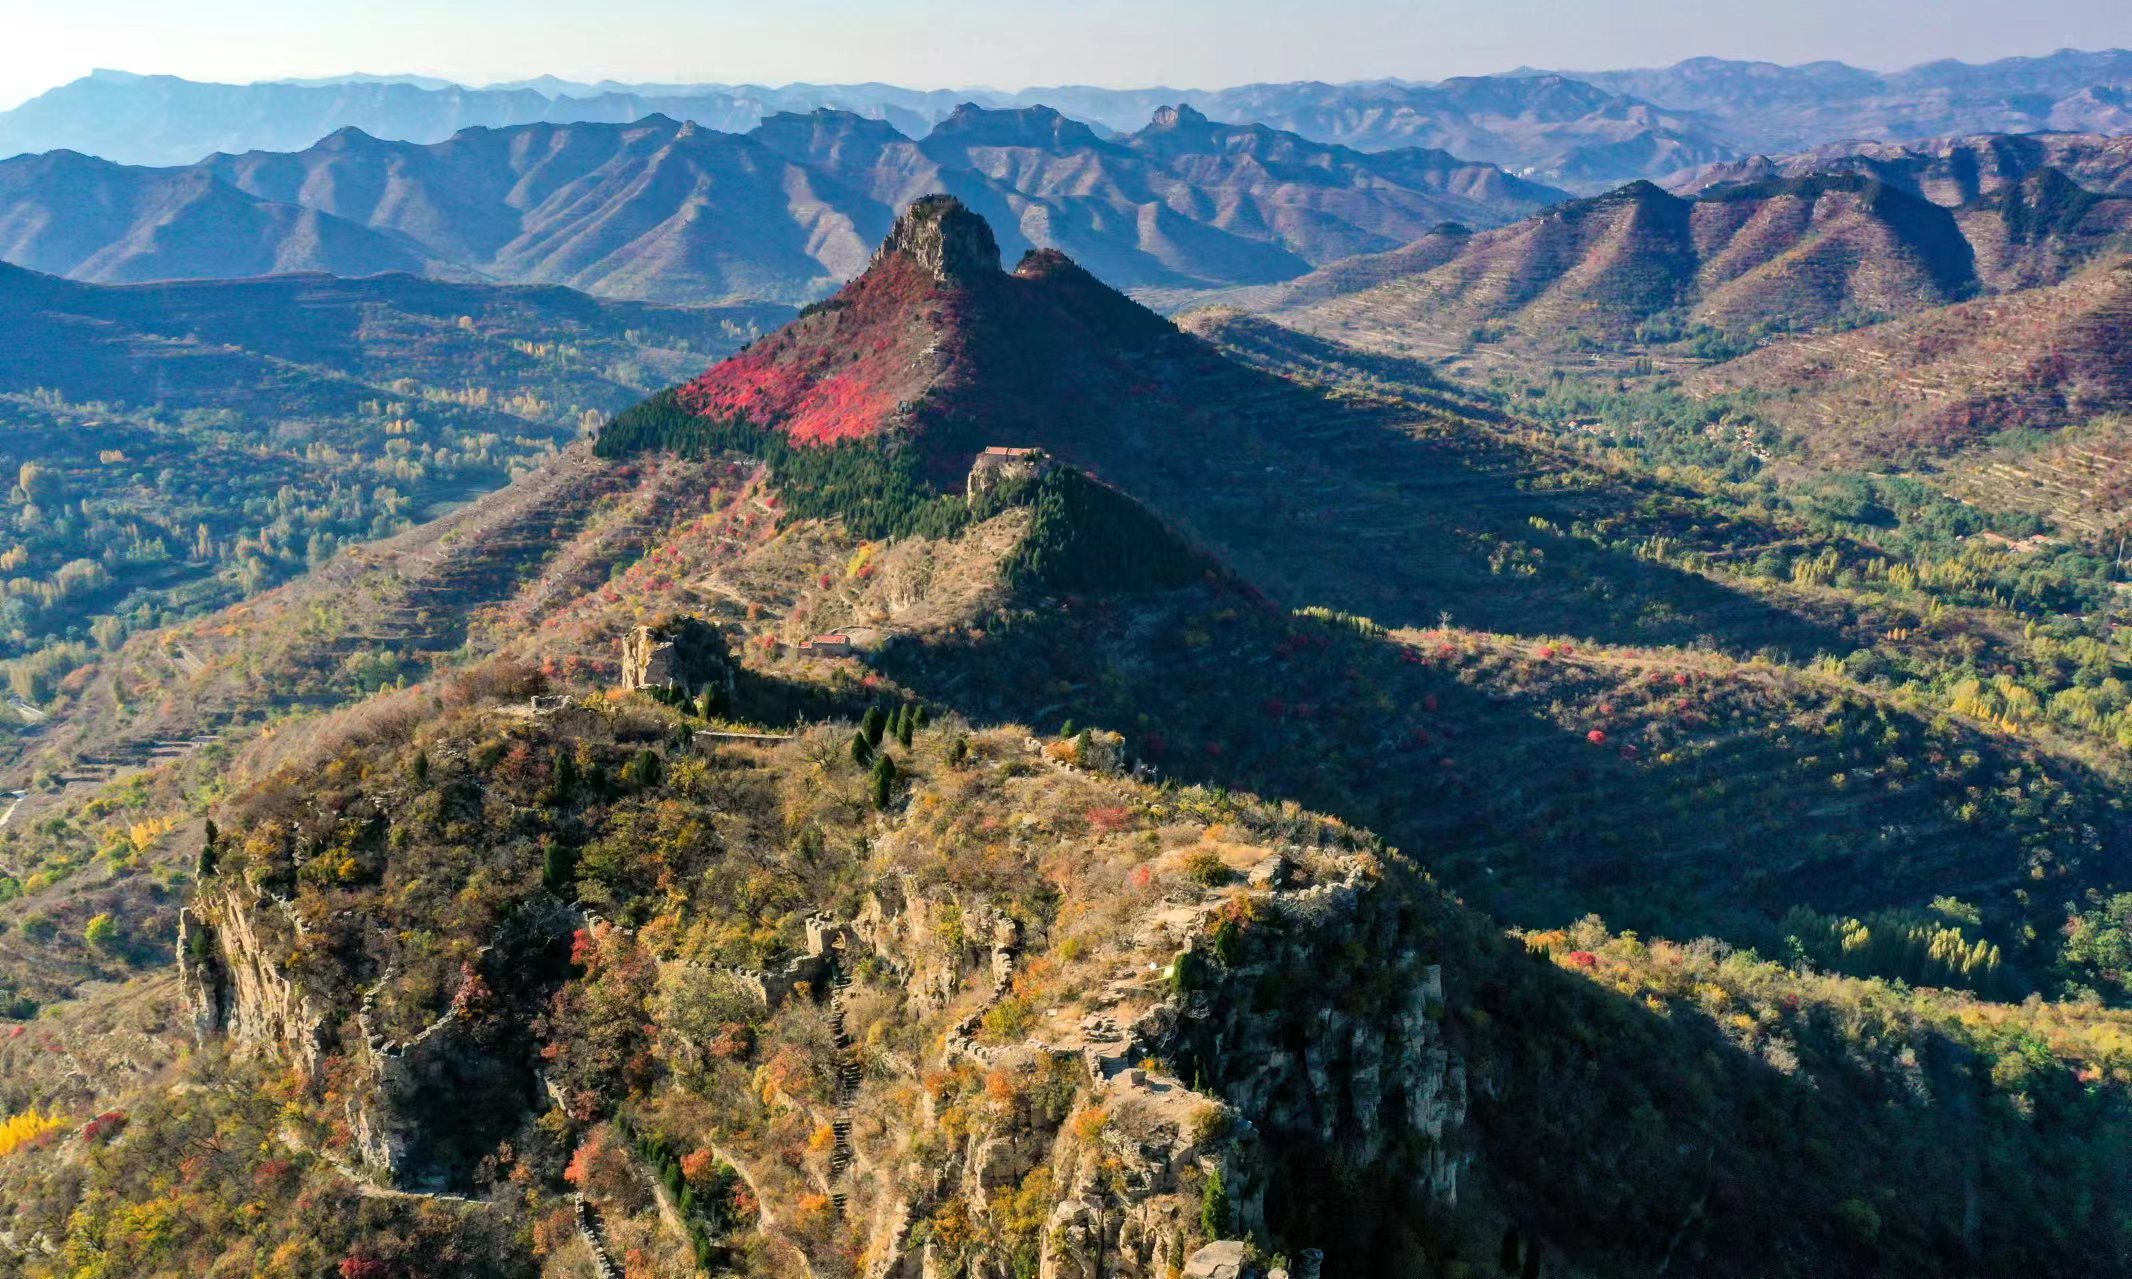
pixel 849 1074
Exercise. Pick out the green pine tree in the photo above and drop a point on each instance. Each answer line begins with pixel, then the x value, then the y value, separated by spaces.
pixel 884 779
pixel 1214 1207
pixel 558 868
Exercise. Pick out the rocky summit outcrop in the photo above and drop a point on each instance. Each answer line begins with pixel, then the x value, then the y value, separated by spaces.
pixel 940 234
pixel 934 340
pixel 1170 1043
pixel 1289 1074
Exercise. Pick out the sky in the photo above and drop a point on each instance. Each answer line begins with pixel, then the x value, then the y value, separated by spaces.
pixel 1005 44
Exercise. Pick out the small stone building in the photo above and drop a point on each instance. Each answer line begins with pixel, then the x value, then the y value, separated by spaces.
pixel 999 465
pixel 832 645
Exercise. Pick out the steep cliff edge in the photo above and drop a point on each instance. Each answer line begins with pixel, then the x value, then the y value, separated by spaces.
pixel 1110 1012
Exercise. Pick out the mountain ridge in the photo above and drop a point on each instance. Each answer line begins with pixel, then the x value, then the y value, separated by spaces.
pixel 668 211
pixel 1587 130
pixel 1742 260
pixel 956 892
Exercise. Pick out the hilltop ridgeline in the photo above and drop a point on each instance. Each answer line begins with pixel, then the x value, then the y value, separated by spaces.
pixel 1723 270
pixel 664 210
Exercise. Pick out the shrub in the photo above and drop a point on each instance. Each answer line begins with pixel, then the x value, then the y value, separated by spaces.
pixel 1205 867
pixel 1009 1020
pixel 28 1129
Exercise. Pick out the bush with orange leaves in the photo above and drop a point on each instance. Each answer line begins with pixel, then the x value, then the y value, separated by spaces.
pixel 604 1171
pixel 596 1027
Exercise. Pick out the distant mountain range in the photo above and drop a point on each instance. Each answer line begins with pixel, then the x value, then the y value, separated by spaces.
pixel 1747 261
pixel 1947 171
pixel 670 211
pixel 1584 130
pixel 1760 106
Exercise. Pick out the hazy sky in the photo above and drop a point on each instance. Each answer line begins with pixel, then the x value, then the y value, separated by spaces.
pixel 1004 43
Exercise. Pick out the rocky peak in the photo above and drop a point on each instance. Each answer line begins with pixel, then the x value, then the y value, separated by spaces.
pixel 1041 127
pixel 1183 114
pixel 1180 129
pixel 940 233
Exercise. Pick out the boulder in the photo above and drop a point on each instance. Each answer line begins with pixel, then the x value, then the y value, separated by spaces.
pixel 1222 1259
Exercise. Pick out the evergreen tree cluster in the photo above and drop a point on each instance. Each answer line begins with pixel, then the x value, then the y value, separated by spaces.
pixel 1088 536
pixel 705 1216
pixel 875 727
pixel 878 489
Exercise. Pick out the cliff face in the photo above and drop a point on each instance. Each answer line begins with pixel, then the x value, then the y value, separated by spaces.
pixel 231 955
pixel 1095 1068
pixel 947 239
pixel 1298 1061
pixel 413 1112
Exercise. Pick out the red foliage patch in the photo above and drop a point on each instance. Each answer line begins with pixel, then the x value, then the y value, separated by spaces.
pixel 1113 817
pixel 837 374
pixel 104 1127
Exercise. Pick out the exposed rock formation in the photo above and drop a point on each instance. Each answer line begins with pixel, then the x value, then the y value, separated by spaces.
pixel 229 961
pixel 942 235
pixel 1141 1154
pixel 679 654
pixel 1223 1259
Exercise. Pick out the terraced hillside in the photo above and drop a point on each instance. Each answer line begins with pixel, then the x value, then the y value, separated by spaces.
pixel 177 447
pixel 1213 812
pixel 1938 383
pixel 2078 479
pixel 1642 271
pixel 202 702
pixel 1418 510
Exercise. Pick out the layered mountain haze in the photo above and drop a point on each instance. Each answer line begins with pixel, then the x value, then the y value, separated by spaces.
pixel 1548 128
pixel 669 211
pixel 1583 130
pixel 1761 106
pixel 167 120
pixel 1949 171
